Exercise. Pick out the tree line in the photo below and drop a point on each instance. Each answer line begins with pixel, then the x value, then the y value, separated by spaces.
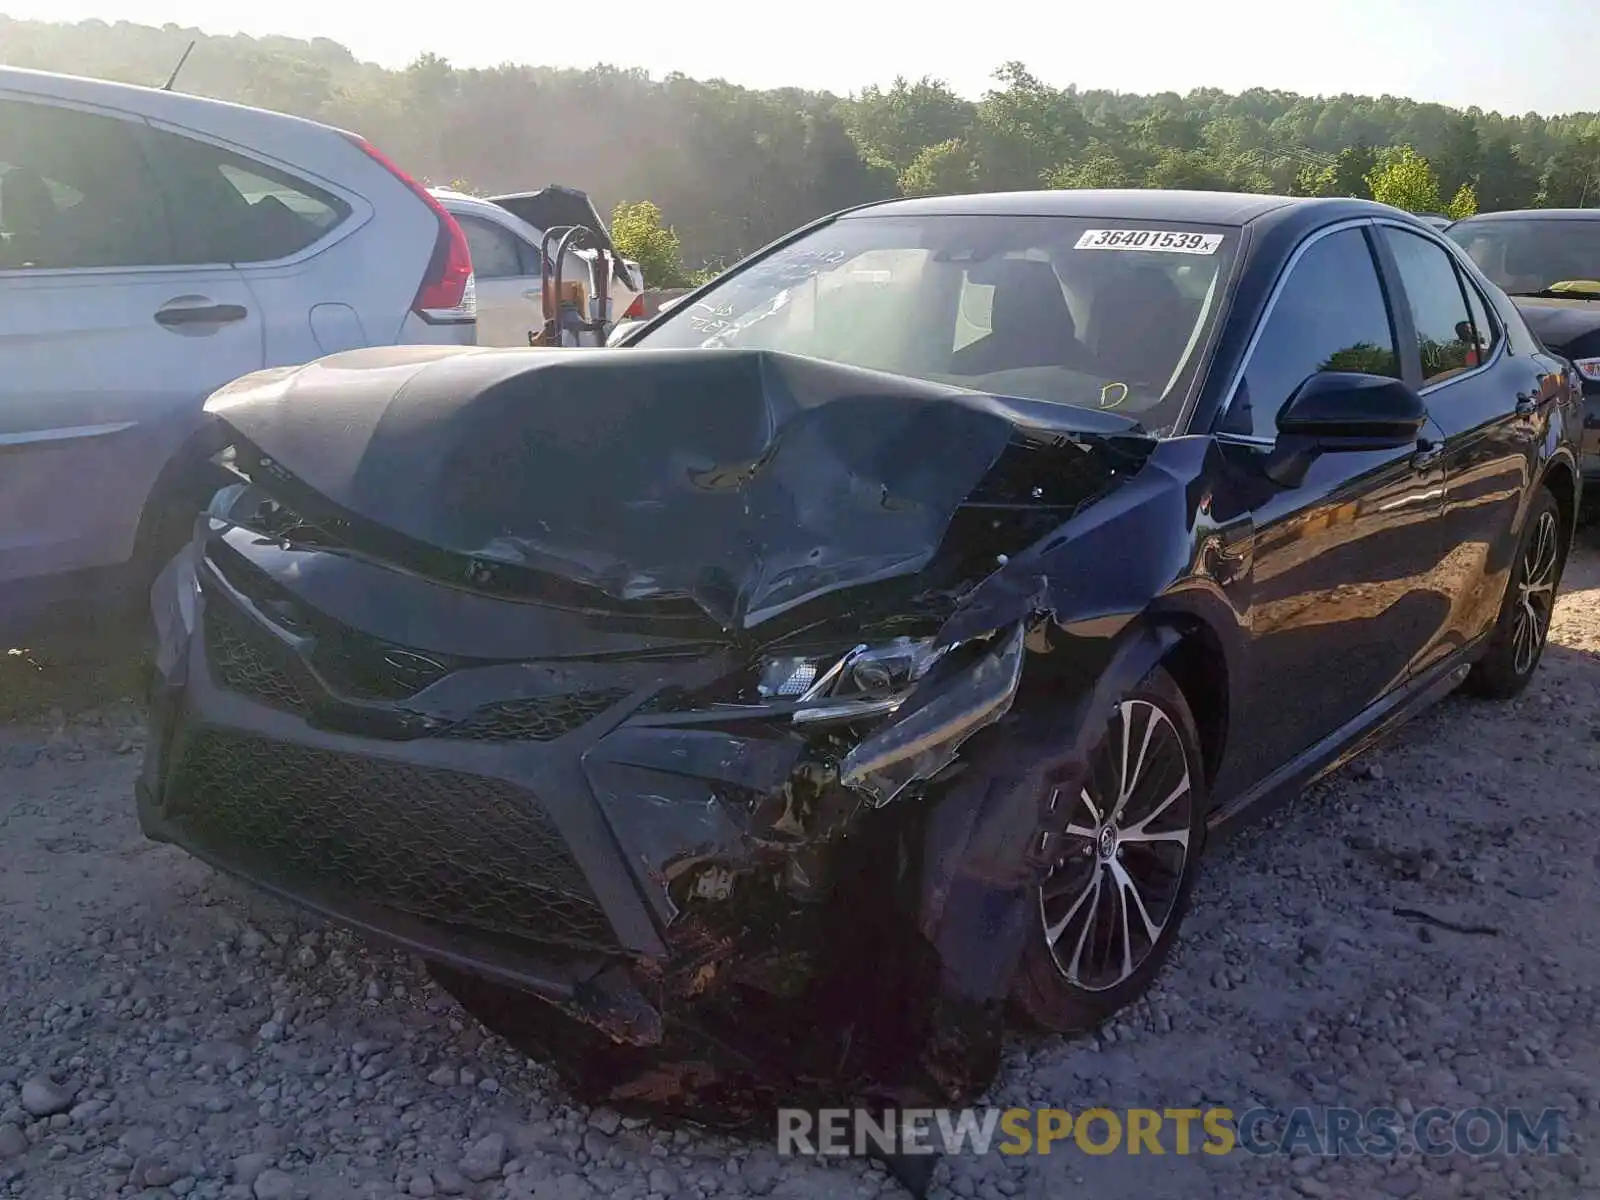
pixel 709 171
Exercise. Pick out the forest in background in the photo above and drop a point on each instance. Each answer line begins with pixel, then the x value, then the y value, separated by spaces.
pixel 728 168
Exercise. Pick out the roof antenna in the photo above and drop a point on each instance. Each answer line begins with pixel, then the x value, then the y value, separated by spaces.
pixel 173 78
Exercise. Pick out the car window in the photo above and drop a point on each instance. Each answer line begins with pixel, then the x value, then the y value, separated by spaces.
pixel 1330 316
pixel 1524 255
pixel 75 192
pixel 493 248
pixel 1446 338
pixel 230 209
pixel 1098 313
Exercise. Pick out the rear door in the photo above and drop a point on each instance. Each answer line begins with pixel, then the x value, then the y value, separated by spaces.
pixel 273 224
pixel 1487 402
pixel 109 344
pixel 507 273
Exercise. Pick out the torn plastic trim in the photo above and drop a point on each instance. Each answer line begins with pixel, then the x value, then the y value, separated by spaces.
pixel 926 741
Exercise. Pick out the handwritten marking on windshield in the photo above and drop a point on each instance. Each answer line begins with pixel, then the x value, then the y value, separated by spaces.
pixel 1113 394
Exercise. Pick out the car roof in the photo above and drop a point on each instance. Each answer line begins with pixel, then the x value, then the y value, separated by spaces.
pixel 180 108
pixel 450 196
pixel 1134 204
pixel 1534 214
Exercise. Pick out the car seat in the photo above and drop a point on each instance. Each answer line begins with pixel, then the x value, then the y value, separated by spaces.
pixel 1140 324
pixel 1030 325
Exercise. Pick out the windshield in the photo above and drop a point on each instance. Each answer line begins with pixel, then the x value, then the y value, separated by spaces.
pixel 1525 257
pixel 1094 313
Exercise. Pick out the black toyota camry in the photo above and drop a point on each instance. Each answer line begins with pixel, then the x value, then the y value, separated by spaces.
pixel 868 647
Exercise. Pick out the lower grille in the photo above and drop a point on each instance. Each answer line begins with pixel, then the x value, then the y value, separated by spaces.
pixel 246 660
pixel 442 846
pixel 540 719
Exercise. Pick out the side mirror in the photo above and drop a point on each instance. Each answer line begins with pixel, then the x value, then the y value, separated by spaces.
pixel 1340 412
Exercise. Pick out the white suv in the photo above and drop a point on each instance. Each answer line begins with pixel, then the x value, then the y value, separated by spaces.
pixel 153 247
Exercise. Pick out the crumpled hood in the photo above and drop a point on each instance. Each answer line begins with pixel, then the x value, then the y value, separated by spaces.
pixel 1560 323
pixel 747 481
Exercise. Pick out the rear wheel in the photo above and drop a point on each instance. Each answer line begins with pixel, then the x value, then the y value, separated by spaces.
pixel 1519 637
pixel 1118 887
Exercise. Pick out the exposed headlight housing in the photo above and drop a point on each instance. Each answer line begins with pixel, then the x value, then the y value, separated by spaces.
pixel 865 681
pixel 1589 368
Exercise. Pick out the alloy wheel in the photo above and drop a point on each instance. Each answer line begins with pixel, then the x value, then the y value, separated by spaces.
pixel 1536 593
pixel 1118 866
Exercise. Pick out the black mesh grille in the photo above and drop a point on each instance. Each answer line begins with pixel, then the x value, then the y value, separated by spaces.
pixel 443 846
pixel 246 660
pixel 369 669
pixel 540 719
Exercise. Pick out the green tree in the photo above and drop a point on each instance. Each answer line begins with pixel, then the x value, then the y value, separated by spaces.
pixel 1026 128
pixel 893 126
pixel 737 167
pixel 1100 167
pixel 1188 170
pixel 1404 179
pixel 1350 171
pixel 943 170
pixel 637 233
pixel 1463 204
pixel 1504 180
pixel 1571 178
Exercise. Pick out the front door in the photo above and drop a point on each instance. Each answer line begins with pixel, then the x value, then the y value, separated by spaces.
pixel 1339 600
pixel 107 351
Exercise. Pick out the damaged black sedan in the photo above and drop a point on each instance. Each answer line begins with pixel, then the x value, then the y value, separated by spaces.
pixel 868 647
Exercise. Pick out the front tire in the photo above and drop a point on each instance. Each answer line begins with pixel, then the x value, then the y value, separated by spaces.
pixel 1518 641
pixel 1109 912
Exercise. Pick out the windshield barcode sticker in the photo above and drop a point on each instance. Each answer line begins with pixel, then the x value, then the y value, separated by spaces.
pixel 1164 240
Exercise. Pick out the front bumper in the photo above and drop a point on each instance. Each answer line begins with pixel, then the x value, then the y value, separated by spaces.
pixel 552 843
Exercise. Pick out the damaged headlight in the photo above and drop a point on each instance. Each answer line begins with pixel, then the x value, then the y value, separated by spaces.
pixel 227 500
pixel 865 681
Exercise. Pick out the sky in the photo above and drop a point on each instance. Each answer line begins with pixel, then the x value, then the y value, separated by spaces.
pixel 1502 55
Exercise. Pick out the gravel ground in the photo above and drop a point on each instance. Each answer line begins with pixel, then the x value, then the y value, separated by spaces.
pixel 165 1033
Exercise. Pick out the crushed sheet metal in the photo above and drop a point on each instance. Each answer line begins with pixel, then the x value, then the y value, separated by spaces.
pixel 926 742
pixel 743 482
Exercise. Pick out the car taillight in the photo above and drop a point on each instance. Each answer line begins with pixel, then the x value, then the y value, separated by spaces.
pixel 635 310
pixel 1589 368
pixel 448 293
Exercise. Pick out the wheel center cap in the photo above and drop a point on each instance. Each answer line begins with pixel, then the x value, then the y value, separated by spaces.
pixel 1107 842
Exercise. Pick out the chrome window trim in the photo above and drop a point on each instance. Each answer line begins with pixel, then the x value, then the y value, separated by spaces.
pixel 1450 251
pixel 1284 276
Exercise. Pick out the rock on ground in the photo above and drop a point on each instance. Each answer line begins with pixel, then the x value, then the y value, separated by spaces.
pixel 165 1033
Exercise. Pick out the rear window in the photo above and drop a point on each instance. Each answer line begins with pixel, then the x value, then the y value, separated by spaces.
pixel 1527 256
pixel 1098 314
pixel 230 209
